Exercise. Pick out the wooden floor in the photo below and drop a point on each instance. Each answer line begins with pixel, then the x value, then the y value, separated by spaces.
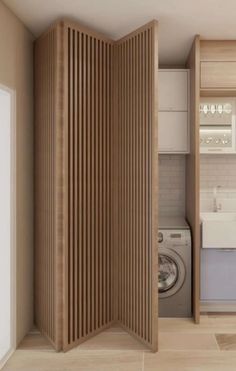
pixel 183 346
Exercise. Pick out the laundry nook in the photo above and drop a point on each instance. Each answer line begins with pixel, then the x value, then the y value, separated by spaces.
pixel 118 185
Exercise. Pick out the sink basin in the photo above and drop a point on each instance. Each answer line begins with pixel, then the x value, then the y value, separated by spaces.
pixel 218 230
pixel 218 216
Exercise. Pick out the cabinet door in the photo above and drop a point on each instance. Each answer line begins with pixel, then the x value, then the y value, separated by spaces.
pixel 173 132
pixel 218 75
pixel 173 90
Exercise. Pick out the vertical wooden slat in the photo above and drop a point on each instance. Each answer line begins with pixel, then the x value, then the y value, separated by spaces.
pixel 149 113
pixel 142 133
pixel 104 148
pixel 132 185
pixel 62 208
pixel 122 213
pixel 80 180
pixel 84 188
pixel 136 154
pixel 154 189
pixel 100 184
pixel 96 188
pixel 93 214
pixel 108 159
pixel 75 155
pixel 71 184
pixel 88 155
pixel 146 181
pixel 148 108
pixel 50 191
pixel 128 245
pixel 146 86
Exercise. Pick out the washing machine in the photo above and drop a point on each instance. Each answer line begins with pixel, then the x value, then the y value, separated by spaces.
pixel 175 271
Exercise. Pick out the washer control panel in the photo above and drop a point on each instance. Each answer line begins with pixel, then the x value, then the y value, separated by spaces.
pixel 173 237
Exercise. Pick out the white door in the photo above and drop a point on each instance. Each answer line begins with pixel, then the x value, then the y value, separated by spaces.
pixel 6 231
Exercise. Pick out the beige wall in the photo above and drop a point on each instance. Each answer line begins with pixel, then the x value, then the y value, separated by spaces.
pixel 16 72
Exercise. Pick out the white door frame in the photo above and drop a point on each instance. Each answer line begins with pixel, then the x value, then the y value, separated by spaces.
pixel 13 223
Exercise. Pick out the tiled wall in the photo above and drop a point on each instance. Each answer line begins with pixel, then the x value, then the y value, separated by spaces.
pixel 172 185
pixel 218 170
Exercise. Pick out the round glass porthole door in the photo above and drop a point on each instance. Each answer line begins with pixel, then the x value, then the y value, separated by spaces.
pixel 171 272
pixel 168 273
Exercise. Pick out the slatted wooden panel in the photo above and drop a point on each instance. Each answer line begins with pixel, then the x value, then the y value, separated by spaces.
pixel 137 123
pixel 96 179
pixel 89 248
pixel 48 176
pixel 192 172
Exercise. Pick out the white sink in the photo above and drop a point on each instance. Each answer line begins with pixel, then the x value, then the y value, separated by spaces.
pixel 218 230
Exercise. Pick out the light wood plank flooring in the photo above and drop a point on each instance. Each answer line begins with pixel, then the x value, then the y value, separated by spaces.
pixel 183 346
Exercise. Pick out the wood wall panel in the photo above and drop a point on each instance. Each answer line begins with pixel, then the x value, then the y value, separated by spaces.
pixel 217 67
pixel 192 172
pixel 137 237
pixel 218 50
pixel 88 285
pixel 218 75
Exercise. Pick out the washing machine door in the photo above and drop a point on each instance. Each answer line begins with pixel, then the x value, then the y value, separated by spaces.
pixel 171 274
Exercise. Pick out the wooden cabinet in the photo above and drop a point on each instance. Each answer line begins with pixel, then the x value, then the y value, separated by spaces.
pixel 218 75
pixel 218 50
pixel 173 128
pixel 218 67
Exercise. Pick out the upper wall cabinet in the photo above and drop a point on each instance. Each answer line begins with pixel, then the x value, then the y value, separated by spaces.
pixel 173 90
pixel 218 66
pixel 218 75
pixel 173 128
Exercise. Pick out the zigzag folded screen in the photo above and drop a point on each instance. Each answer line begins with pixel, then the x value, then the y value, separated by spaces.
pixel 96 169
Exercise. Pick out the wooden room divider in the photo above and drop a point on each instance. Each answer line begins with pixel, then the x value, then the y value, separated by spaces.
pixel 96 165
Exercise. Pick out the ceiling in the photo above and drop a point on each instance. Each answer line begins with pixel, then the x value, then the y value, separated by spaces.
pixel 179 20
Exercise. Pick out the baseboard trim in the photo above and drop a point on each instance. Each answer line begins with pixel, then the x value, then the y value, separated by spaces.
pixel 218 306
pixel 4 360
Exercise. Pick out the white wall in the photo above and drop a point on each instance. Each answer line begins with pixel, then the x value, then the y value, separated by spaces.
pixel 16 72
pixel 172 185
pixel 5 222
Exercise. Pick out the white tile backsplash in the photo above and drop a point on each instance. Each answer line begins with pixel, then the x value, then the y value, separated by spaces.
pixel 172 185
pixel 217 170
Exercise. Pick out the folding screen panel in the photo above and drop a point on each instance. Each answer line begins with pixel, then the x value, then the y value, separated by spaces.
pixel 88 228
pixel 48 187
pixel 96 179
pixel 192 172
pixel 137 68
